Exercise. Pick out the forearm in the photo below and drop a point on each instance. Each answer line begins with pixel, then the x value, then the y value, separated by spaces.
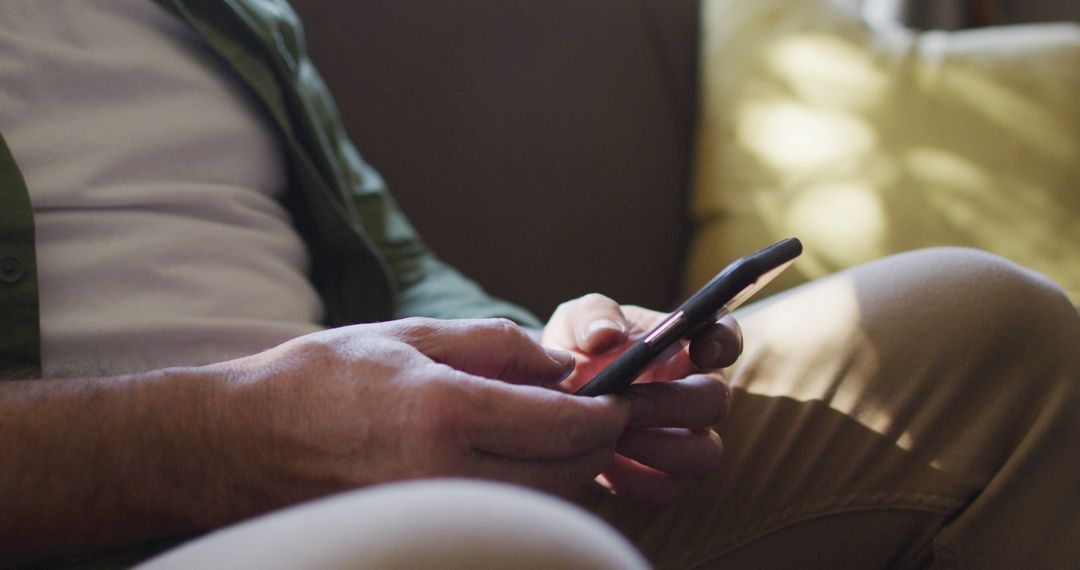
pixel 96 463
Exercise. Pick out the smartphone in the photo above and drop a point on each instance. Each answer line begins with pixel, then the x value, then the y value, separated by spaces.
pixel 730 288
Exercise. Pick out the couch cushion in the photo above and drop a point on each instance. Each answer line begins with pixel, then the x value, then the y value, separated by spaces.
pixel 531 143
pixel 865 142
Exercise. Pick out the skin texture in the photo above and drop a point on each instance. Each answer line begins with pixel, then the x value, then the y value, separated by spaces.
pixel 103 462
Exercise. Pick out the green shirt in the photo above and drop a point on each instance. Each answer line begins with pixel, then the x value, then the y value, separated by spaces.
pixel 368 263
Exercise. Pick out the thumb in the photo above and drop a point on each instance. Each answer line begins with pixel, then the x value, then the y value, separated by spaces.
pixel 593 324
pixel 492 348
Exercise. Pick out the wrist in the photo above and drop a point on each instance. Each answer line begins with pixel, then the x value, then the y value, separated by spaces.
pixel 248 429
pixel 226 438
pixel 175 424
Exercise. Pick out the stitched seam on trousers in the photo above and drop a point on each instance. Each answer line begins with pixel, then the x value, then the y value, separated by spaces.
pixel 837 505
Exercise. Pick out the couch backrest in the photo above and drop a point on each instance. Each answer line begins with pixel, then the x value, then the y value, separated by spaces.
pixel 542 146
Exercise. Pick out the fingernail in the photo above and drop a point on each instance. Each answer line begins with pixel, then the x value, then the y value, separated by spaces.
pixel 564 358
pixel 601 325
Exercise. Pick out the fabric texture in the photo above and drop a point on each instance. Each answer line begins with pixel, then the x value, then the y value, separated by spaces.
pixel 918 411
pixel 877 423
pixel 360 240
pixel 175 151
pixel 865 142
pixel 368 263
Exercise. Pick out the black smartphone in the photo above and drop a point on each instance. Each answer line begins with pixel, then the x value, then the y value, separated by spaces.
pixel 730 288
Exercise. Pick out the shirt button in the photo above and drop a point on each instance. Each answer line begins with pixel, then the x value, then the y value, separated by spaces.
pixel 11 270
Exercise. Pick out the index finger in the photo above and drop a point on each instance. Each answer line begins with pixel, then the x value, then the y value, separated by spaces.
pixel 699 401
pixel 491 348
pixel 529 422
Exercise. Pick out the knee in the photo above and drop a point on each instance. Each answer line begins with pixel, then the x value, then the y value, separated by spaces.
pixel 996 319
pixel 977 290
pixel 999 293
pixel 967 307
pixel 426 524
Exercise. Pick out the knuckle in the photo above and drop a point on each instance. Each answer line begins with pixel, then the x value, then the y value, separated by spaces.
pixel 324 351
pixel 415 328
pixel 504 326
pixel 505 329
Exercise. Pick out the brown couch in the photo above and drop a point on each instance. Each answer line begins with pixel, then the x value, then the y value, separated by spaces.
pixel 544 147
pixel 541 146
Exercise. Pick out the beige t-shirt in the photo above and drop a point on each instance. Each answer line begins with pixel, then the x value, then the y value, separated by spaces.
pixel 155 182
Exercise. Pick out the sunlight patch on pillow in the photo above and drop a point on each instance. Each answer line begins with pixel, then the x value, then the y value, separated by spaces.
pixel 866 142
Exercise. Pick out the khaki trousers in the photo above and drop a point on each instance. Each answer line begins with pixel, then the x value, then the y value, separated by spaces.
pixel 920 411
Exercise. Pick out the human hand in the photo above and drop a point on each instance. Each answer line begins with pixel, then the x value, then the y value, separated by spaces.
pixel 674 405
pixel 416 398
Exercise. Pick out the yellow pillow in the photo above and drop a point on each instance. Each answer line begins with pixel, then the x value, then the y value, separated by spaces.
pixel 865 142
